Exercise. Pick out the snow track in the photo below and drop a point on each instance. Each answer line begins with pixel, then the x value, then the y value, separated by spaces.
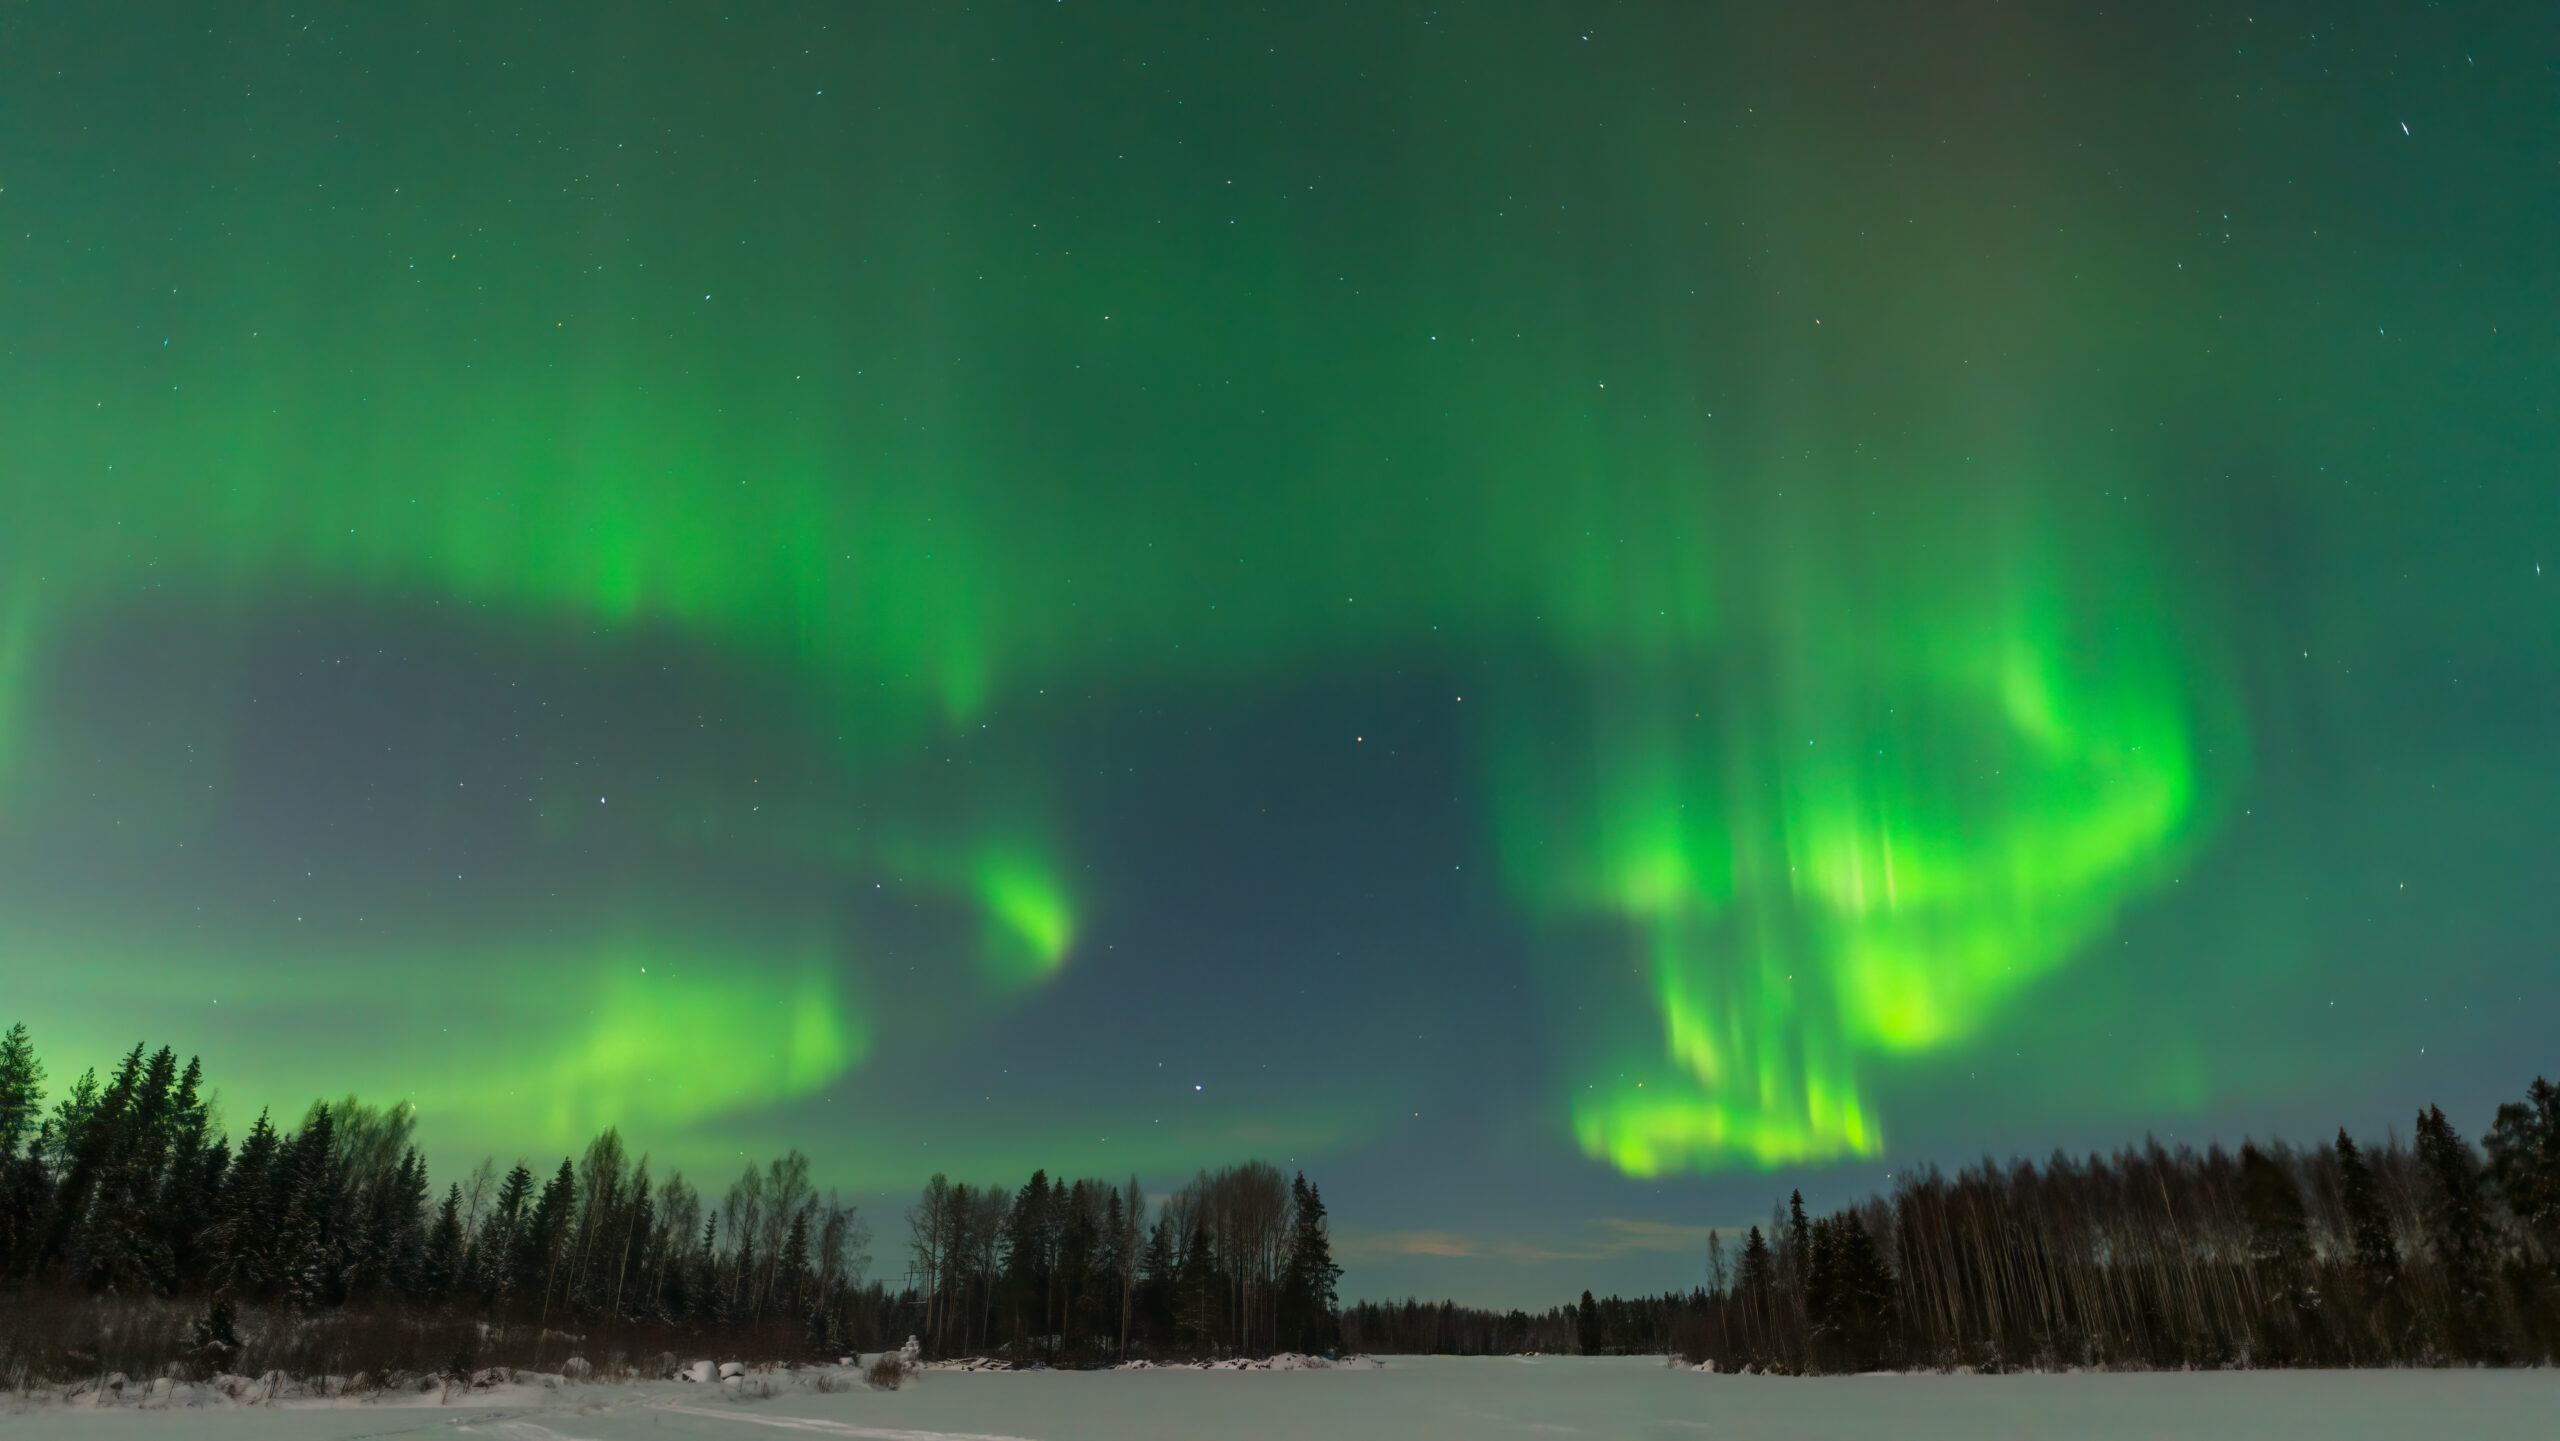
pixel 837 1428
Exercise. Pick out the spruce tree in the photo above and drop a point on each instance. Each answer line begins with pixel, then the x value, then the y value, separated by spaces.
pixel 2457 1223
pixel 2369 1231
pixel 495 1246
pixel 1756 1284
pixel 1861 1293
pixel 192 1183
pixel 1795 1270
pixel 1824 1312
pixel 1132 1221
pixel 26 1195
pixel 639 1224
pixel 21 1090
pixel 122 1240
pixel 385 1248
pixel 82 1140
pixel 61 1134
pixel 1159 1268
pixel 704 1286
pixel 1074 1252
pixel 1758 1274
pixel 308 1238
pixel 1116 1238
pixel 441 1272
pixel 1309 1277
pixel 791 1276
pixel 1196 1315
pixel 2524 1158
pixel 542 1240
pixel 1027 1260
pixel 26 1187
pixel 1795 1257
pixel 2279 1227
pixel 244 1243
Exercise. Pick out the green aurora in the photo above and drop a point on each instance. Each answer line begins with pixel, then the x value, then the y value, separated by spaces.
pixel 1802 446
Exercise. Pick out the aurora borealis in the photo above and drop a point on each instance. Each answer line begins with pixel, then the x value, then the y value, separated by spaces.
pixel 1556 608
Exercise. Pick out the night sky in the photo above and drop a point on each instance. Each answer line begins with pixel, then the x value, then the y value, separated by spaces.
pixel 1567 616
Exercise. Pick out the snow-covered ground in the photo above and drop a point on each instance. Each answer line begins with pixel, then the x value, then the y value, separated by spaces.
pixel 1409 1398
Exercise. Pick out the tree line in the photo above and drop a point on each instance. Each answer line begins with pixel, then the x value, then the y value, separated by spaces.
pixel 126 1191
pixel 1423 1328
pixel 1239 1262
pixel 2435 1252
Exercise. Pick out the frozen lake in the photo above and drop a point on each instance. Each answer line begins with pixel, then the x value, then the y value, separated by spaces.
pixel 1418 1397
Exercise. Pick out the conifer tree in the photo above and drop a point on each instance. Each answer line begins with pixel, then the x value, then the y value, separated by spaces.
pixel 1113 1297
pixel 1308 1283
pixel 544 1238
pixel 192 1185
pixel 2457 1223
pixel 26 1195
pixel 1759 1271
pixel 1074 1245
pixel 496 1245
pixel 386 1251
pixel 2279 1226
pixel 26 1188
pixel 1026 1258
pixel 1795 1256
pixel 1860 1292
pixel 440 1271
pixel 1196 1300
pixel 81 1141
pixel 244 1242
pixel 1159 1272
pixel 639 1224
pixel 121 1242
pixel 2369 1232
pixel 1755 1285
pixel 2524 1158
pixel 21 1090
pixel 794 1268
pixel 308 1239
pixel 1133 1260
pixel 60 1135
pixel 1822 1307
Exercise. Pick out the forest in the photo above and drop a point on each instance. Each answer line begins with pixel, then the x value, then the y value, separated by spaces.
pixel 1238 1263
pixel 136 1236
pixel 2434 1252
pixel 1424 1328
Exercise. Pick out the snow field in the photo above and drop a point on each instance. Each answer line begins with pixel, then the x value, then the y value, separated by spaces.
pixel 1407 1398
